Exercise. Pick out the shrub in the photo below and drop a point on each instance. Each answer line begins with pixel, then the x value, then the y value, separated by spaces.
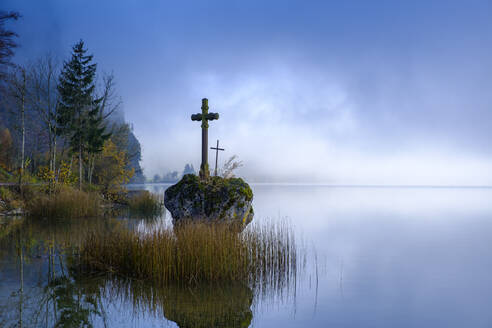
pixel 5 194
pixel 10 198
pixel 111 171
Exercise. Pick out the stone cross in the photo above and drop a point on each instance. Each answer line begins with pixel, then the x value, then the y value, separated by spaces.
pixel 205 116
pixel 216 155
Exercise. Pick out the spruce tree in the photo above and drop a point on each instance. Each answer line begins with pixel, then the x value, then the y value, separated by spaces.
pixel 79 116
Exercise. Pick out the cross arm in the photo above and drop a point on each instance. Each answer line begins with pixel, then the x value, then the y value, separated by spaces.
pixel 208 117
pixel 196 117
pixel 212 116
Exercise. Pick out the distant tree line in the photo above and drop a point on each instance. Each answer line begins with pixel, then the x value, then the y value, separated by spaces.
pixel 62 123
pixel 173 176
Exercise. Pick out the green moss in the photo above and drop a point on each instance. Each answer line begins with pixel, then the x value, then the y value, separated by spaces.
pixel 190 184
pixel 216 194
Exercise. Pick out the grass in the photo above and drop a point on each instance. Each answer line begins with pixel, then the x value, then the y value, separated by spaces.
pixel 195 253
pixel 67 203
pixel 145 204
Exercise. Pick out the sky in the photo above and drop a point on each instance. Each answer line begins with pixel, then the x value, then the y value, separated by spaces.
pixel 338 92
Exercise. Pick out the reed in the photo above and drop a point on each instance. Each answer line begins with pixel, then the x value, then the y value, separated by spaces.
pixel 145 204
pixel 67 203
pixel 195 253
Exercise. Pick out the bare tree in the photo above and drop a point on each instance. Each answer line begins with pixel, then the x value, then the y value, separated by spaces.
pixel 43 97
pixel 111 102
pixel 7 42
pixel 230 166
pixel 17 89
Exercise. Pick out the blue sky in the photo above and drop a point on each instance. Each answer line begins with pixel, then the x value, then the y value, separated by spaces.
pixel 330 91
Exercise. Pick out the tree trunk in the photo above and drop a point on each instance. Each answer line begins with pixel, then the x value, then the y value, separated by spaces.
pixel 54 156
pixel 80 164
pixel 51 170
pixel 92 161
pixel 62 154
pixel 50 150
pixel 23 128
pixel 89 161
pixel 89 170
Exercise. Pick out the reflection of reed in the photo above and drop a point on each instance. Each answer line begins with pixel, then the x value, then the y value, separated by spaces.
pixel 209 305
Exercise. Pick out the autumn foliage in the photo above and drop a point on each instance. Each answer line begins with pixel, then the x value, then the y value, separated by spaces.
pixel 111 170
pixel 6 150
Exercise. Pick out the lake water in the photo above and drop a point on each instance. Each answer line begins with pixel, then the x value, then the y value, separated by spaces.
pixel 375 257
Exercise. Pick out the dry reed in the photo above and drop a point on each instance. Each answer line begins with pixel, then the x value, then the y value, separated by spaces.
pixel 195 253
pixel 67 203
pixel 145 204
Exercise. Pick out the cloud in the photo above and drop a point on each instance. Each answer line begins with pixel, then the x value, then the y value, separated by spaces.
pixel 343 92
pixel 287 128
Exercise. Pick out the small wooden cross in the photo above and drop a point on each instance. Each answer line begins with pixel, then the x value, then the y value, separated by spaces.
pixel 204 117
pixel 216 155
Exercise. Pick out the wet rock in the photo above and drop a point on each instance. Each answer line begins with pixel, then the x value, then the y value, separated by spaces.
pixel 214 199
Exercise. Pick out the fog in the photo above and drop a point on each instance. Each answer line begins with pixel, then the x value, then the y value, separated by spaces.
pixel 361 93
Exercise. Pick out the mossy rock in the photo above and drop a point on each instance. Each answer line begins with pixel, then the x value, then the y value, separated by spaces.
pixel 214 199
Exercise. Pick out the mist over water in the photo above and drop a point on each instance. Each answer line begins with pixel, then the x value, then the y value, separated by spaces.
pixel 385 256
pixel 392 257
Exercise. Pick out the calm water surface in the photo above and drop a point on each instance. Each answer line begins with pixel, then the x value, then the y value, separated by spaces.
pixel 376 257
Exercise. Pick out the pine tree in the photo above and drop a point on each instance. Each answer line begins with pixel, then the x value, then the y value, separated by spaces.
pixel 79 116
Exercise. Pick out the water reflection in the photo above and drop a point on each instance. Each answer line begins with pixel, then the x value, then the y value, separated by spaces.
pixel 188 306
pixel 40 284
pixel 38 287
pixel 389 257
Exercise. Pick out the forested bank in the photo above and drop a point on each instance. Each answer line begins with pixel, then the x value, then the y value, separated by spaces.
pixel 62 123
